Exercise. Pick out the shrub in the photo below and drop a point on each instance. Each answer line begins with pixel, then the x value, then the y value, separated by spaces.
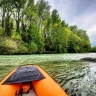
pixel 8 46
pixel 23 48
pixel 16 36
pixel 93 49
pixel 1 31
pixel 33 48
pixel 40 47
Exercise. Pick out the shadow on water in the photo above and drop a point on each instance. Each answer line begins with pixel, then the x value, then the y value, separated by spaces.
pixel 77 78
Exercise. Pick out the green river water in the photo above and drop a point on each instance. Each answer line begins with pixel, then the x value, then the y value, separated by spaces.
pixel 76 77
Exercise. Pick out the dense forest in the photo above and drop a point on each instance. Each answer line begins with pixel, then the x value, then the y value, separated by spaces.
pixel 93 49
pixel 27 27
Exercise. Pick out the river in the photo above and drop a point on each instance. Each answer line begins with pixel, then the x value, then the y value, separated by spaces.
pixel 76 77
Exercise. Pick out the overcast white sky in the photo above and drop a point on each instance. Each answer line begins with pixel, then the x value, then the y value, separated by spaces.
pixel 78 12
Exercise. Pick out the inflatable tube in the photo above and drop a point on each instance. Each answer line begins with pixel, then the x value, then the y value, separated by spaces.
pixel 43 84
pixel 47 86
pixel 9 89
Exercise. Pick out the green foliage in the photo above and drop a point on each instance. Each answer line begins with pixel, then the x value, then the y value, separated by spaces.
pixel 23 48
pixel 59 39
pixel 55 17
pixel 8 46
pixel 33 34
pixel 16 36
pixel 28 28
pixel 74 43
pixel 40 47
pixel 42 7
pixel 85 46
pixel 93 49
pixel 1 45
pixel 1 31
pixel 32 48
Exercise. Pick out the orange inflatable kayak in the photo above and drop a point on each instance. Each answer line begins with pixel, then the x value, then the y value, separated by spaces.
pixel 30 80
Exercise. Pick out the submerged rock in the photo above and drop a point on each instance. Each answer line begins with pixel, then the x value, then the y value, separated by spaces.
pixel 89 59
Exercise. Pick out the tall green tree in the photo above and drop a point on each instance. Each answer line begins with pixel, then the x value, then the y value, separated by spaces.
pixel 43 7
pixel 74 43
pixel 55 17
pixel 6 12
pixel 18 6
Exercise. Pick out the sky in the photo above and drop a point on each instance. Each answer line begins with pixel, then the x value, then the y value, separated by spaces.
pixel 78 12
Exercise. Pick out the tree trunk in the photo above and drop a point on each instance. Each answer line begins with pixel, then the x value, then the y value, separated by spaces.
pixel 18 21
pixel 17 26
pixel 7 25
pixel 3 18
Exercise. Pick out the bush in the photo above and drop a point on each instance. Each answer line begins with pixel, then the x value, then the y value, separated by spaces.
pixel 33 48
pixel 93 49
pixel 40 47
pixel 1 31
pixel 23 48
pixel 8 46
pixel 16 36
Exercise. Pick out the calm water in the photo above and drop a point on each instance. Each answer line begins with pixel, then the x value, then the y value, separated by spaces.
pixel 77 78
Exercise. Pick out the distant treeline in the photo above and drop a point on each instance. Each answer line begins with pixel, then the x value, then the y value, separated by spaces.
pixel 28 28
pixel 93 49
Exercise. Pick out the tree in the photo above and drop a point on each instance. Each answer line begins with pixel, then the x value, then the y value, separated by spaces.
pixel 35 36
pixel 59 40
pixel 42 8
pixel 73 29
pixel 6 8
pixel 18 6
pixel 74 43
pixel 32 28
pixel 55 17
pixel 33 48
pixel 85 44
pixel 93 49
